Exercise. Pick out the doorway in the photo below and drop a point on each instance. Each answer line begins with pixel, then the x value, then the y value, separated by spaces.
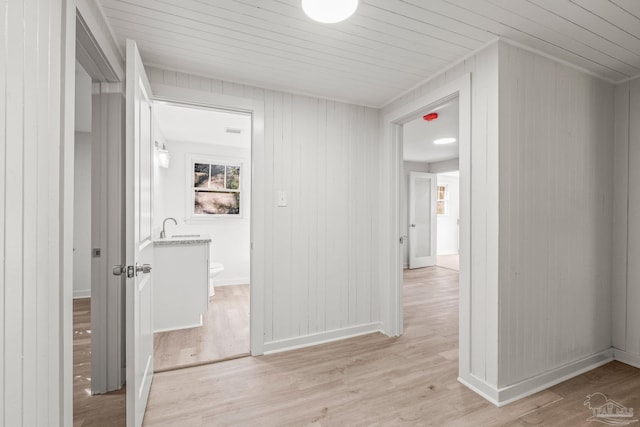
pixel 393 171
pixel 98 375
pixel 202 197
pixel 429 190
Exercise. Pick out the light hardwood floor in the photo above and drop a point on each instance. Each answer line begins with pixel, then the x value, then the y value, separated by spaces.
pixel 224 333
pixel 451 262
pixel 374 380
pixel 101 410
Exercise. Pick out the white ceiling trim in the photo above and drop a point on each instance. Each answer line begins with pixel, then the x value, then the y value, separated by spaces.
pixel 441 72
pixel 563 61
pixel 273 88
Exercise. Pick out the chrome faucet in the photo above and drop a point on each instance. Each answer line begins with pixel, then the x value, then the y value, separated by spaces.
pixel 164 223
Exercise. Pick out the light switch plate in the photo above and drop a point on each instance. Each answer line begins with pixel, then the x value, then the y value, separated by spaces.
pixel 282 199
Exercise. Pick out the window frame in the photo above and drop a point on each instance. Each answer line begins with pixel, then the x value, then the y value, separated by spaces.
pixel 192 159
pixel 444 200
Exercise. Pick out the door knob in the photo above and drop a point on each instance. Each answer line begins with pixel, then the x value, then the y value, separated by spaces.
pixel 117 270
pixel 413 226
pixel 144 268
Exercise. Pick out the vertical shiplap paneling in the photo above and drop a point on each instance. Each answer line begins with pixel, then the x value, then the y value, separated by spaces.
pixel 319 249
pixel 269 221
pixel 282 325
pixel 30 102
pixel 508 165
pixel 479 296
pixel 4 36
pixel 30 211
pixel 556 144
pixel 310 164
pixel 633 280
pixel 353 165
pixel 620 219
pixel 321 218
pixel 298 183
pixel 334 295
pixel 13 221
pixel 372 291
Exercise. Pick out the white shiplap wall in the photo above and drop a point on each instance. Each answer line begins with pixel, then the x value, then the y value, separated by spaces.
pixel 483 67
pixel 542 156
pixel 626 237
pixel 30 166
pixel 556 176
pixel 320 249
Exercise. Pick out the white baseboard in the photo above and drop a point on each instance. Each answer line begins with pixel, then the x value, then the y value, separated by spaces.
pixel 81 293
pixel 321 338
pixel 480 387
pixel 505 395
pixel 627 358
pixel 230 282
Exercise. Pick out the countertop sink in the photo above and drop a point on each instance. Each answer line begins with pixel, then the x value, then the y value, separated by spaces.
pixel 183 239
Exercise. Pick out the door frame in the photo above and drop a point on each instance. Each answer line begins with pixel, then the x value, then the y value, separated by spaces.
pixel 392 265
pixel 107 214
pixel 255 108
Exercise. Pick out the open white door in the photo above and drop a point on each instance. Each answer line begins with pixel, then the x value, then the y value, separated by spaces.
pixel 139 245
pixel 422 219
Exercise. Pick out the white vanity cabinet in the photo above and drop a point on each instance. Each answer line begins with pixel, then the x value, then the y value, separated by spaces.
pixel 181 288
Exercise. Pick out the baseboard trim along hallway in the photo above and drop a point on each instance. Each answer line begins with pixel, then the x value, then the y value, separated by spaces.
pixel 321 338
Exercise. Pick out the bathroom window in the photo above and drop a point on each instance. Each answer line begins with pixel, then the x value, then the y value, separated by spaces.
pixel 216 189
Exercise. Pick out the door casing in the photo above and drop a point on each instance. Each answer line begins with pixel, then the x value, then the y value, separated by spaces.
pixel 255 108
pixel 392 168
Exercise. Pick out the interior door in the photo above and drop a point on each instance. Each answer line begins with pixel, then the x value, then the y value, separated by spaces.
pixel 139 245
pixel 422 219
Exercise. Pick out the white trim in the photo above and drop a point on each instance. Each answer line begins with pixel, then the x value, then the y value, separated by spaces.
pixel 82 293
pixel 230 282
pixel 441 72
pixel 321 338
pixel 60 225
pixel 480 387
pixel 391 271
pixel 627 80
pixel 256 109
pixel 626 357
pixel 260 85
pixel 548 379
pixel 506 395
pixel 560 61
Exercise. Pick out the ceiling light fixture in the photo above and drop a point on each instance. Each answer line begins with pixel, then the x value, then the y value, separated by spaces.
pixel 329 11
pixel 441 141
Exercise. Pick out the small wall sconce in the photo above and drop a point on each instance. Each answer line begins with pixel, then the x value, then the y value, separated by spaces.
pixel 162 155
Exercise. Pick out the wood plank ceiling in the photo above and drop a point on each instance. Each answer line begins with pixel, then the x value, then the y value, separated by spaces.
pixel 385 49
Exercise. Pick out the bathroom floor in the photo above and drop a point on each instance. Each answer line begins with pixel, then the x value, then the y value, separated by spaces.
pixel 224 334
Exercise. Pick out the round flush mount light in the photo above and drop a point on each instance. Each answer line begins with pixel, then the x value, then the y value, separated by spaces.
pixel 441 141
pixel 329 11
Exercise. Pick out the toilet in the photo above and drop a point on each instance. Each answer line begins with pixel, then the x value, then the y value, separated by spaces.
pixel 214 269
